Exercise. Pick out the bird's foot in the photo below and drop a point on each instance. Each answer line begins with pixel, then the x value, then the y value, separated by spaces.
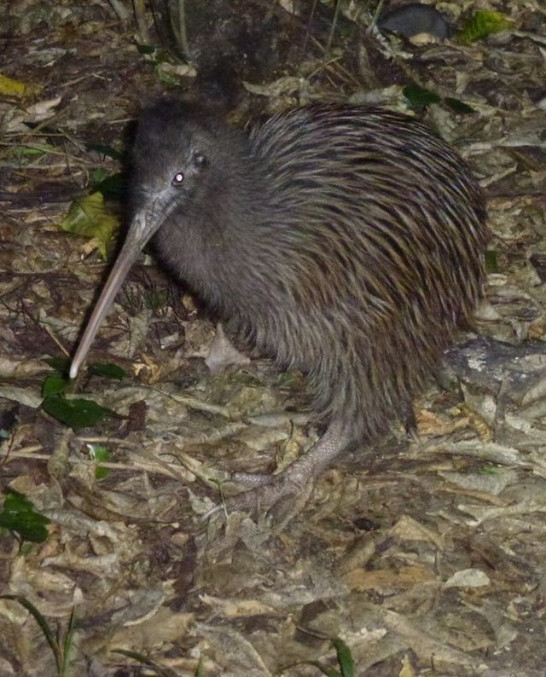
pixel 281 496
pixel 284 494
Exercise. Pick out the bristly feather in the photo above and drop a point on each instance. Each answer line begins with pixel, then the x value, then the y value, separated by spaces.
pixel 343 240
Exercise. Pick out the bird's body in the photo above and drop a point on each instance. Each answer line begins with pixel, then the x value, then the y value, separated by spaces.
pixel 342 240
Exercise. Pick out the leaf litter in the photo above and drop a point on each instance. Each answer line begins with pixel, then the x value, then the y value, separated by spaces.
pixel 420 556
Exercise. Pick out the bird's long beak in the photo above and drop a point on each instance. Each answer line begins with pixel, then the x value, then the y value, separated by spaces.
pixel 143 226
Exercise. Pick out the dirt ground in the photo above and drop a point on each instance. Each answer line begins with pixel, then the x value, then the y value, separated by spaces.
pixel 426 554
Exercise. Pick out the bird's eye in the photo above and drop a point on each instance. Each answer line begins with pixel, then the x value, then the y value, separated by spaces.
pixel 178 179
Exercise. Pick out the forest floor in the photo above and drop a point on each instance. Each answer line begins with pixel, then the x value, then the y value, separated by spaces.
pixel 425 555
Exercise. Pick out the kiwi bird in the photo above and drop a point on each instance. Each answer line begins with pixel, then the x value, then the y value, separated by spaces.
pixel 345 241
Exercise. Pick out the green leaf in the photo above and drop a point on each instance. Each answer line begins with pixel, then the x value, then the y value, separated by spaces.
pixel 105 150
pixel 32 151
pixel 99 453
pixel 419 98
pixel 481 24
pixel 157 299
pixel 107 369
pixel 87 216
pixel 344 657
pixel 10 87
pixel 55 384
pixel 60 652
pixel 40 618
pixel 458 106
pixel 60 364
pixel 489 470
pixel 67 643
pixel 97 175
pixel 24 154
pixel 112 186
pixel 76 413
pixel 201 670
pixel 146 49
pixel 491 264
pixel 165 76
pixel 20 516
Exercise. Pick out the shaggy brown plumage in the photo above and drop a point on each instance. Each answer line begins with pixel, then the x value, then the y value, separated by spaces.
pixel 346 241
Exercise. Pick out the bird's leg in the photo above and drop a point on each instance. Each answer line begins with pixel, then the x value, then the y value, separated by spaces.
pixel 296 480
